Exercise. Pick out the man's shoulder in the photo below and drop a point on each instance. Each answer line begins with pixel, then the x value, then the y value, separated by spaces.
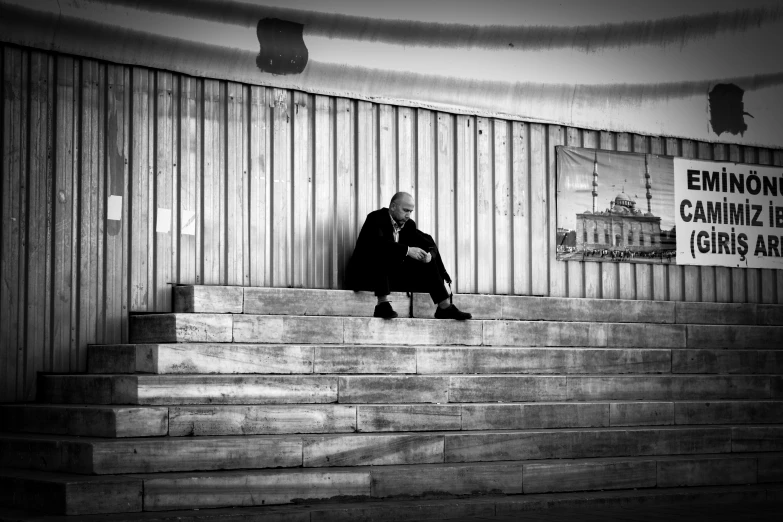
pixel 378 215
pixel 377 219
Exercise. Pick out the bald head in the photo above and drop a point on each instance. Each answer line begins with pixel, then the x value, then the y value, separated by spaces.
pixel 401 206
pixel 398 197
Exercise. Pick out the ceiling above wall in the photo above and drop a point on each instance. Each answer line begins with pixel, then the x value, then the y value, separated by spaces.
pixel 701 70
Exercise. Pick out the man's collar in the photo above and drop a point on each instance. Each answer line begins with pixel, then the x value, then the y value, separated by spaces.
pixel 394 223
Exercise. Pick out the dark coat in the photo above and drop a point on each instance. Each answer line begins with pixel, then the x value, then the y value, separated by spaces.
pixel 375 249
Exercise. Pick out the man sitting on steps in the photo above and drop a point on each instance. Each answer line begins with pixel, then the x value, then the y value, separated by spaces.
pixel 392 254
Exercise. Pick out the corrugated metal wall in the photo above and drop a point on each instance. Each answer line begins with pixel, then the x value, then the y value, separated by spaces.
pixel 226 183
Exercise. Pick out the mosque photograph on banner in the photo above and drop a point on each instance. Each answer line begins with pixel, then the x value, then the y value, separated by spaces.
pixel 631 207
pixel 615 206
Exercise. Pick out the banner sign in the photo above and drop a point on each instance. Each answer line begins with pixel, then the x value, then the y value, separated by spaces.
pixel 728 214
pixel 646 208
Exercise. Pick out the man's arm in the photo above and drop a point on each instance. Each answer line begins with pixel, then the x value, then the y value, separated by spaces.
pixel 418 242
pixel 419 254
pixel 377 232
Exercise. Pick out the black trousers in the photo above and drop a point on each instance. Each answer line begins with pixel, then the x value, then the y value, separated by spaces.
pixel 410 275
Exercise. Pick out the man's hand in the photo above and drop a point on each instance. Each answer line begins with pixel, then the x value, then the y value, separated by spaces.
pixel 419 255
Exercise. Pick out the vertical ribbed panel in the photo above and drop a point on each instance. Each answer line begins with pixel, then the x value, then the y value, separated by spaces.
pixel 119 181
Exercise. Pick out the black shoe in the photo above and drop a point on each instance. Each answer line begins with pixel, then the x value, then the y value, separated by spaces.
pixel 384 311
pixel 452 312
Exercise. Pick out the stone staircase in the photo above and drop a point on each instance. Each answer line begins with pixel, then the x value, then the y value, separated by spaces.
pixel 266 397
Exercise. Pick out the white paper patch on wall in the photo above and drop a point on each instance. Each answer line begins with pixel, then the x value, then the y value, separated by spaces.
pixel 188 223
pixel 114 208
pixel 163 224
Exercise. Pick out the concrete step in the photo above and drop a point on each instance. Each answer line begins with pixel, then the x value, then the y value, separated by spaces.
pixel 208 299
pixel 226 358
pixel 281 301
pixel 355 330
pixel 526 308
pixel 68 494
pixel 605 310
pixel 735 337
pixel 513 416
pixel 95 421
pixel 205 420
pixel 261 419
pixel 534 388
pixel 94 456
pixel 177 328
pixel 238 420
pixel 245 328
pixel 174 454
pixel 428 417
pixel 393 389
pixel 668 387
pixel 756 438
pixel 187 389
pixel 522 333
pixel 530 506
pixel 557 360
pixel 729 313
pixel 518 445
pixel 204 358
pixel 299 301
pixel 252 488
pixel 302 301
pixel 725 361
pixel 214 328
pixel 591 443
pixel 644 504
pixel 597 335
pixel 622 473
pixel 728 412
pixel 247 488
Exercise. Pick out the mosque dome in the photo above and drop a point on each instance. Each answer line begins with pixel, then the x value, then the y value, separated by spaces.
pixel 624 200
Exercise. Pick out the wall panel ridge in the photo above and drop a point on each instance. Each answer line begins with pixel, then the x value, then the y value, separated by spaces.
pixel 117 182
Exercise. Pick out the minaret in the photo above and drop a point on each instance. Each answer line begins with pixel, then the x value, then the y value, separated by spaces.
pixel 595 180
pixel 647 183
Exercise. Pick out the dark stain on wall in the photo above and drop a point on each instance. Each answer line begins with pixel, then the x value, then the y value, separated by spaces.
pixel 677 30
pixel 283 50
pixel 727 110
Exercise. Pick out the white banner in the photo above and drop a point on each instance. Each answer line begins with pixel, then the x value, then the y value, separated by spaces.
pixel 728 214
